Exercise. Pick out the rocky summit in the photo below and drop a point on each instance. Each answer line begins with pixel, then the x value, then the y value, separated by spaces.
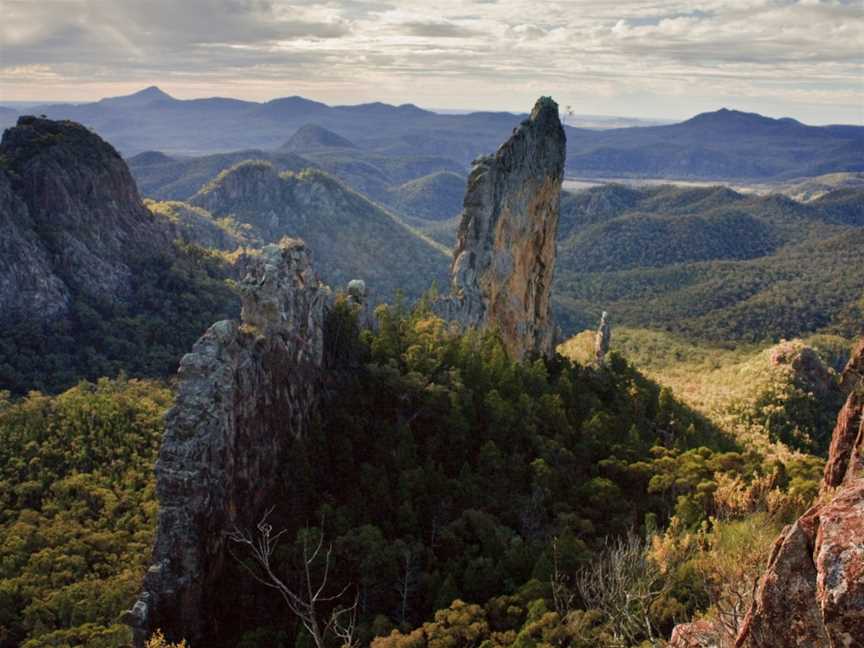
pixel 245 391
pixel 71 217
pixel 504 260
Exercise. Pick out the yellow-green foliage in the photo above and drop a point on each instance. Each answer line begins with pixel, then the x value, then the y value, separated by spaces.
pixel 740 389
pixel 77 510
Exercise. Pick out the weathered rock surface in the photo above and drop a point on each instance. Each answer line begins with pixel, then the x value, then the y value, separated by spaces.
pixel 71 216
pixel 812 593
pixel 246 391
pixel 505 256
pixel 698 634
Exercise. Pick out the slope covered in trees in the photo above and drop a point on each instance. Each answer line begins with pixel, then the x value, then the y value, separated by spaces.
pixel 710 263
pixel 451 483
pixel 350 237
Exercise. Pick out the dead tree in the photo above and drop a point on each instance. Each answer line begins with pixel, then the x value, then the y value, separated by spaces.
pixel 407 580
pixel 308 600
pixel 623 582
pixel 562 594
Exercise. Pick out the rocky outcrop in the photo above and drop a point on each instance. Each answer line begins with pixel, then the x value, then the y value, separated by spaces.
pixel 812 593
pixel 602 339
pixel 71 217
pixel 805 365
pixel 853 374
pixel 245 392
pixel 505 256
pixel 698 634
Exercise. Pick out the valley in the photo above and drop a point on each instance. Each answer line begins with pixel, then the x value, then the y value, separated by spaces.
pixel 389 351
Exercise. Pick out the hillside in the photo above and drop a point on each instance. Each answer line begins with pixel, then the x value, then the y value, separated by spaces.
pixel 415 186
pixel 436 197
pixel 163 177
pixel 725 144
pixel 709 263
pixel 350 237
pixel 772 398
pixel 91 282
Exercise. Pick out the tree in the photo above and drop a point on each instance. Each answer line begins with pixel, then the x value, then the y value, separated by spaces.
pixel 307 602
pixel 623 582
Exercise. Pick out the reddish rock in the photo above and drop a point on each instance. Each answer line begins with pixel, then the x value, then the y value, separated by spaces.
pixel 839 559
pixel 845 440
pixel 853 374
pixel 812 593
pixel 698 634
pixel 783 611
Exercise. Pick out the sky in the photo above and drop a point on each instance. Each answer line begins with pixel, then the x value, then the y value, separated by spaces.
pixel 665 59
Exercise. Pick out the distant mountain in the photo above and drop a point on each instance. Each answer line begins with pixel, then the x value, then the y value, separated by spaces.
pixel 721 145
pixel 710 263
pixel 312 137
pixel 164 177
pixel 349 237
pixel 437 196
pixel 91 282
pixel 384 179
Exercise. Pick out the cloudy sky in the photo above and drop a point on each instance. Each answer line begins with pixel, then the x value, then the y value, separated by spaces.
pixel 649 58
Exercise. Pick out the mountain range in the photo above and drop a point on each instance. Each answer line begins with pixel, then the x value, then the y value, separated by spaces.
pixel 711 263
pixel 725 144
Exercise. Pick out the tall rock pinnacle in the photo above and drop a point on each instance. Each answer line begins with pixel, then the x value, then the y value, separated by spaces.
pixel 505 256
pixel 246 391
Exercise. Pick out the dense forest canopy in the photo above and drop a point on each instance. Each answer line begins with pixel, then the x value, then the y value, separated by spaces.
pixel 445 476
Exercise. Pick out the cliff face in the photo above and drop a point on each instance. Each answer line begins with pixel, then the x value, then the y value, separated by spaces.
pixel 812 591
pixel 71 215
pixel 246 391
pixel 505 256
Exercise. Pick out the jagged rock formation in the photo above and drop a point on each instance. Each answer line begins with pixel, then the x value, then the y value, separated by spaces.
pixel 603 339
pixel 246 391
pixel 812 591
pixel 70 215
pixel 505 256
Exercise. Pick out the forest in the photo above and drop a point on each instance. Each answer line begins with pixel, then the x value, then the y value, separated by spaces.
pixel 465 500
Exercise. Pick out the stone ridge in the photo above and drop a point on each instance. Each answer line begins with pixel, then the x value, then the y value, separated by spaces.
pixel 246 391
pixel 504 259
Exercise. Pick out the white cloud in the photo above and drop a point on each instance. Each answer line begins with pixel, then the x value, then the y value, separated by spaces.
pixel 651 57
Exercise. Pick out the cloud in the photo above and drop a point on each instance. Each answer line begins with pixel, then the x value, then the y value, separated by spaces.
pixel 438 29
pixel 629 57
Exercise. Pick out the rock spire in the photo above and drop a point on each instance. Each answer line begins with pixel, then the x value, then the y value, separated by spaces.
pixel 245 392
pixel 505 255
